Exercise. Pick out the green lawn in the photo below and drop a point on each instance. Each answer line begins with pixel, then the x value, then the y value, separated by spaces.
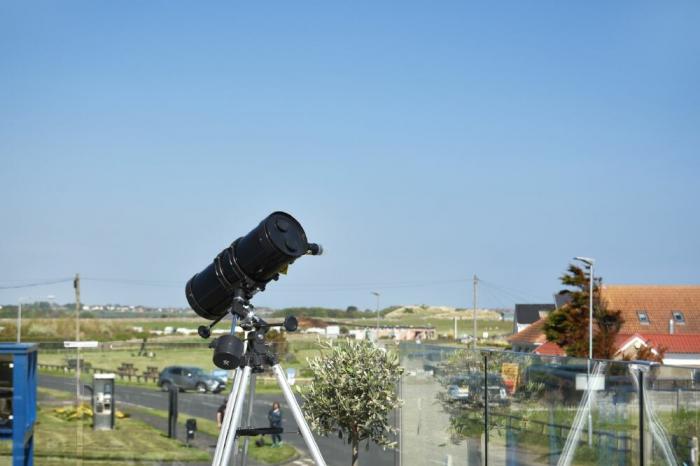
pixel 199 357
pixel 64 442
pixel 263 454
pixel 112 359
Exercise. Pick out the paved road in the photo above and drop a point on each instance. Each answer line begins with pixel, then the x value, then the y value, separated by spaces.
pixel 335 451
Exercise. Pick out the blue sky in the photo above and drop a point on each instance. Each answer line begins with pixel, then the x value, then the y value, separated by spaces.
pixel 419 142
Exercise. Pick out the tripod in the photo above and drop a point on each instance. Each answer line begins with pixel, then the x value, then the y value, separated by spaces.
pixel 256 355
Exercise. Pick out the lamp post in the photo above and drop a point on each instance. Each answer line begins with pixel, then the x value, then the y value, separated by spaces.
pixel 19 320
pixel 589 262
pixel 377 295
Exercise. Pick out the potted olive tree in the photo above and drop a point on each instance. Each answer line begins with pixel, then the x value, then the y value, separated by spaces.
pixel 352 392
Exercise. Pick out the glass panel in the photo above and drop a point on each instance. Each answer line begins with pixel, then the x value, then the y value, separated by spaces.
pixel 64 436
pixel 549 416
pixel 436 422
pixel 536 409
pixel 672 418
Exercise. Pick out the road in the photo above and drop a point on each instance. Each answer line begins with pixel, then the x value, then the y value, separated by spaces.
pixel 336 452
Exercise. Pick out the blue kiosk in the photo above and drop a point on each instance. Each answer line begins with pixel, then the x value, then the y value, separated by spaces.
pixel 18 399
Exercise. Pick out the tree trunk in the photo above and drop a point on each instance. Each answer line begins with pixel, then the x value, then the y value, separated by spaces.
pixel 355 451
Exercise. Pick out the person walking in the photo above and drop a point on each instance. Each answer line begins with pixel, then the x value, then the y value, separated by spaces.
pixel 275 418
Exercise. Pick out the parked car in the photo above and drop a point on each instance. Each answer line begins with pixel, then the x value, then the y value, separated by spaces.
pixel 462 388
pixel 469 389
pixel 189 378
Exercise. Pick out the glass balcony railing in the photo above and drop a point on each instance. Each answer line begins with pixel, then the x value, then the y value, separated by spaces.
pixel 460 407
pixel 479 407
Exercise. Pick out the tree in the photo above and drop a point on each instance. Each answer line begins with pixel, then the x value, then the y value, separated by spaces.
pixel 649 353
pixel 352 392
pixel 568 325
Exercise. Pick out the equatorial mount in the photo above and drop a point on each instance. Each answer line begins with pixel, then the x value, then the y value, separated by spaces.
pixel 230 352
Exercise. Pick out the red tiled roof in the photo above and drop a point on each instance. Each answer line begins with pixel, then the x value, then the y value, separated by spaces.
pixel 533 334
pixel 659 301
pixel 550 349
pixel 675 343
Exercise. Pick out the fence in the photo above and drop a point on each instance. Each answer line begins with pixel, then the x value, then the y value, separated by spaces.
pixel 479 407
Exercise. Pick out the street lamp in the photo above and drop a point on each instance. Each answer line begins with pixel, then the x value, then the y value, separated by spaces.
pixel 19 319
pixel 589 262
pixel 377 295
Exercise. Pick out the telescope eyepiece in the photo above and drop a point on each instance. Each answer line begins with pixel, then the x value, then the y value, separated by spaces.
pixel 315 249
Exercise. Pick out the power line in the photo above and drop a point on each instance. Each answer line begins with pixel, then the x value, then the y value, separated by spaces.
pixel 138 282
pixel 499 299
pixel 298 287
pixel 515 294
pixel 31 285
pixel 301 287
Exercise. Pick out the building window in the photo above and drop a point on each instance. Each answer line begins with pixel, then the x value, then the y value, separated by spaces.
pixel 678 317
pixel 643 317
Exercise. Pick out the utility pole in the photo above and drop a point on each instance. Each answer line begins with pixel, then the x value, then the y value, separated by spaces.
pixel 476 283
pixel 377 295
pixel 79 430
pixel 76 286
pixel 19 322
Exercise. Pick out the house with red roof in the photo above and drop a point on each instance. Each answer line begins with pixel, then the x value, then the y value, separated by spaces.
pixel 657 316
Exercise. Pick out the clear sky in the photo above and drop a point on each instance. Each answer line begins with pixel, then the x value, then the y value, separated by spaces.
pixel 419 142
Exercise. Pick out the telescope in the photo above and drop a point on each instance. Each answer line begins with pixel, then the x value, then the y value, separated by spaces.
pixel 248 265
pixel 239 272
pixel 226 286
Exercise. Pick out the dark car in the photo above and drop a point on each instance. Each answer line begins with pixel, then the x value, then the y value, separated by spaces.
pixel 189 378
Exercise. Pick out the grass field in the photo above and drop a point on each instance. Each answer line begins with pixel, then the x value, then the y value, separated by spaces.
pixel 61 442
pixel 106 329
pixel 263 454
pixel 199 357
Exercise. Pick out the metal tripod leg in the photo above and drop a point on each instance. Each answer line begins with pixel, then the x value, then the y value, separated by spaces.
pixel 298 416
pixel 235 419
pixel 249 417
pixel 228 416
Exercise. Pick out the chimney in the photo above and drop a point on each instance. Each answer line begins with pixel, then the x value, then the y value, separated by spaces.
pixel 670 326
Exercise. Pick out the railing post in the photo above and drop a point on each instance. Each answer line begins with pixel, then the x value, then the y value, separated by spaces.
pixel 693 451
pixel 486 409
pixel 640 379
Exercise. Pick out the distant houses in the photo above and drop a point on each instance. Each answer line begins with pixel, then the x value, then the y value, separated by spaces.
pixel 656 316
pixel 527 314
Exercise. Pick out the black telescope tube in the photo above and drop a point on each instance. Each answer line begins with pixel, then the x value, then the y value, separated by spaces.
pixel 247 265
